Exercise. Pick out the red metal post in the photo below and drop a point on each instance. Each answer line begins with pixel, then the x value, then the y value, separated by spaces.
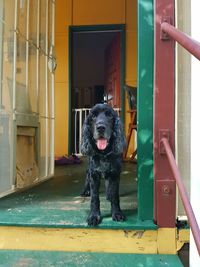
pixel 183 194
pixel 164 110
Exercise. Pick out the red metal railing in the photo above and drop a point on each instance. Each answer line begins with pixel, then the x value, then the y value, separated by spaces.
pixel 194 48
pixel 183 193
pixel 183 39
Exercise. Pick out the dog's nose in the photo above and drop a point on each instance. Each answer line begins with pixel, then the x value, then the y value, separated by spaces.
pixel 101 128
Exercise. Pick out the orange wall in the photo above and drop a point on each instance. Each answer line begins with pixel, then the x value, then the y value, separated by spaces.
pixel 88 12
pixel 131 55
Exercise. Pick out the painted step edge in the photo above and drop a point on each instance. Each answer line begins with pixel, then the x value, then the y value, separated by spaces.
pixel 161 241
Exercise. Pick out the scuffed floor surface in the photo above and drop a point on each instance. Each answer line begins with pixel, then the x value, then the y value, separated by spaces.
pixel 10 258
pixel 57 202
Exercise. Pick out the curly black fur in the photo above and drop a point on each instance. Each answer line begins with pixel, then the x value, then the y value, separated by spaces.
pixel 104 124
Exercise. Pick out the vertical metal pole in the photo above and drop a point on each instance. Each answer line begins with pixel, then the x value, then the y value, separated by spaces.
pixel 47 95
pixel 52 115
pixel 1 49
pixel 14 129
pixel 164 116
pixel 27 49
pixel 38 56
pixel 53 44
pixel 14 59
pixel 38 79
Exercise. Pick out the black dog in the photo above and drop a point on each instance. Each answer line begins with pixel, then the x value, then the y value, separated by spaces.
pixel 103 141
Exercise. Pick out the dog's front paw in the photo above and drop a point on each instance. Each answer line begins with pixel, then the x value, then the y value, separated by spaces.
pixel 118 216
pixel 85 193
pixel 94 219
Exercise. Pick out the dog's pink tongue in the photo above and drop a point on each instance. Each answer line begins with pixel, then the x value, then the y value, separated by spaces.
pixel 102 144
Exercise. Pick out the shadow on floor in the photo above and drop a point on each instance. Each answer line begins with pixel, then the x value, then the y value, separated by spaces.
pixel 184 255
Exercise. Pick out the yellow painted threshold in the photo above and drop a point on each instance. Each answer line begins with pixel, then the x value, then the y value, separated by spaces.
pixel 167 241
pixel 86 240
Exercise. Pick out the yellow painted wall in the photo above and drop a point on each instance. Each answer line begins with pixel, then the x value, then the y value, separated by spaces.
pixel 131 58
pixel 63 20
pixel 88 12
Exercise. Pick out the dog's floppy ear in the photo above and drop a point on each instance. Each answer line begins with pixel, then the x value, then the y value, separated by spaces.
pixel 119 142
pixel 86 145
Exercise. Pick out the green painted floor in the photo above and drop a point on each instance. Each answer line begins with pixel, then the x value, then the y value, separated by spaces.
pixel 11 258
pixel 57 202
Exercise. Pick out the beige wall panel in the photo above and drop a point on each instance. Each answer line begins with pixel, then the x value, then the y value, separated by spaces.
pixel 183 101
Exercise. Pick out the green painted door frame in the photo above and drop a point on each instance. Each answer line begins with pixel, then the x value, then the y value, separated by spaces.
pixel 145 109
pixel 96 28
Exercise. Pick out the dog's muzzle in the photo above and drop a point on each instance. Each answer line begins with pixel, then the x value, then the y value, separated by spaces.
pixel 101 141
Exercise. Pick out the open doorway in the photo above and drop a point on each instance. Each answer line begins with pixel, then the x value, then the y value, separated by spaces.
pixel 97 74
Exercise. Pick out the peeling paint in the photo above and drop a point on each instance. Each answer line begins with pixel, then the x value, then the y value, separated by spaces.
pixel 138 234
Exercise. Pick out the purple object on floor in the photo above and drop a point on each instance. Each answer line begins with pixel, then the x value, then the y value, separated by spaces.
pixel 64 160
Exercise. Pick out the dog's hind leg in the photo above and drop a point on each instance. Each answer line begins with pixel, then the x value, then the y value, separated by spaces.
pixel 107 189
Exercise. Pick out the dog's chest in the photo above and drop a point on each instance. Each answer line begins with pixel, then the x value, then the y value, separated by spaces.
pixel 104 167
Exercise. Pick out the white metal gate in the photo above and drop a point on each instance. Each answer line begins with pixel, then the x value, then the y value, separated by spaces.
pixel 27 64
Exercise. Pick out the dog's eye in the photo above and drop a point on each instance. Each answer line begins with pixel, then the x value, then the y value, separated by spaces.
pixel 108 114
pixel 94 115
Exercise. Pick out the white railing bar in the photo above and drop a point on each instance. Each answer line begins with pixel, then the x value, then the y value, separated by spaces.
pixel 75 133
pixel 27 49
pixel 80 129
pixel 38 57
